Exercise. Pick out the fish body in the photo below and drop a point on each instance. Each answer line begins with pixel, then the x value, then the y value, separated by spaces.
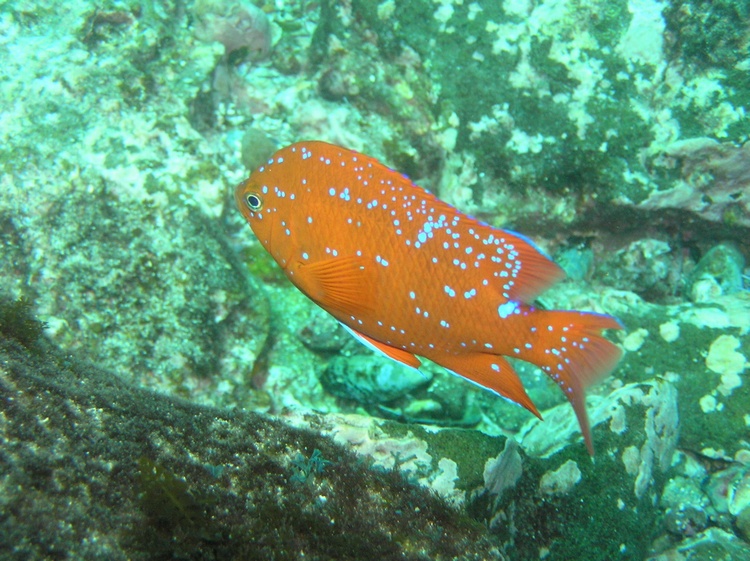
pixel 411 275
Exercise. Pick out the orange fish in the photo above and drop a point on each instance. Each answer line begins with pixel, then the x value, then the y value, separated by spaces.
pixel 410 275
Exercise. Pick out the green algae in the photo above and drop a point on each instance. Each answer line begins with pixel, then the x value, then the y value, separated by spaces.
pixel 685 360
pixel 583 104
pixel 251 509
pixel 473 87
pixel 543 523
pixel 536 519
pixel 18 321
pixel 305 469
pixel 469 449
pixel 168 502
pixel 708 33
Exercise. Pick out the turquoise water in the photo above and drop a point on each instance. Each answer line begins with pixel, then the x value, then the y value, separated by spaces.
pixel 166 392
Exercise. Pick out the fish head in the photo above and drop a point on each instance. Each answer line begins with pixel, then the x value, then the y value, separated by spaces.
pixel 298 204
pixel 257 208
pixel 268 202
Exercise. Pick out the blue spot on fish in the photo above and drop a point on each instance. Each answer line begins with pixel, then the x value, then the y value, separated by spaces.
pixel 506 309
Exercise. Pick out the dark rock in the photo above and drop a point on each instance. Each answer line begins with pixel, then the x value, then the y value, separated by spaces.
pixel 323 333
pixel 370 379
pixel 152 292
pixel 95 468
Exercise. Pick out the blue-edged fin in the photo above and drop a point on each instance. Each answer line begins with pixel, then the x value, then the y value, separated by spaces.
pixel 399 355
pixel 342 284
pixel 520 272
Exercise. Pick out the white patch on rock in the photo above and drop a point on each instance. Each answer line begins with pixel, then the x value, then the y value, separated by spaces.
pixel 631 458
pixel 560 481
pixel 644 40
pixel 444 483
pixel 723 358
pixel 670 331
pixel 708 403
pixel 635 340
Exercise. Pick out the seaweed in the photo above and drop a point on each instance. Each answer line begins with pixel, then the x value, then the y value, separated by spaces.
pixel 304 469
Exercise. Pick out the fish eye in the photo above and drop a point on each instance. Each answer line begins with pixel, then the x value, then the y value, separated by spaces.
pixel 254 202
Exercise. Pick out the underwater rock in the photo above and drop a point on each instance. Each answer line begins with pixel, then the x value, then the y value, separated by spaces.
pixel 241 27
pixel 562 492
pixel 576 261
pixel 643 267
pixel 645 440
pixel 124 473
pixel 560 481
pixel 322 333
pixel 686 506
pixel 17 321
pixel 256 148
pixel 448 461
pixel 504 471
pixel 718 272
pixel 457 403
pixel 370 379
pixel 714 543
pixel 152 293
pixel 729 491
pixel 714 180
pixel 554 100
pixel 707 34
pixel 14 265
pixel 702 351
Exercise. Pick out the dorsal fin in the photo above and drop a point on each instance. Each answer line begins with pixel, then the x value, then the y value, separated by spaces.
pixel 511 262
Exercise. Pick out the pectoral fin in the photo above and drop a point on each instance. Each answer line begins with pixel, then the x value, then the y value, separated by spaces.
pixel 342 284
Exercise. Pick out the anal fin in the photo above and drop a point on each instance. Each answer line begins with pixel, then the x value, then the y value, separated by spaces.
pixel 394 353
pixel 491 372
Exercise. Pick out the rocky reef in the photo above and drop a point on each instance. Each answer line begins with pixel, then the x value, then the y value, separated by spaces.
pixel 121 472
pixel 167 393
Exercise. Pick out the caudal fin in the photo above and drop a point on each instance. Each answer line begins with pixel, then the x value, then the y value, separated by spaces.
pixel 570 348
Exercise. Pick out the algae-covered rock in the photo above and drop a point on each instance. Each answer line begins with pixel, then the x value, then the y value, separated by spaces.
pixel 567 505
pixel 152 293
pixel 123 473
pixel 449 461
pixel 17 321
pixel 241 27
pixel 702 350
pixel 714 543
pixel 368 380
pixel 256 148
pixel 686 506
pixel 718 272
pixel 577 105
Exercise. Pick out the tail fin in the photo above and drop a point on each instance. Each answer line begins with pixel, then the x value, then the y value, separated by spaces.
pixel 570 348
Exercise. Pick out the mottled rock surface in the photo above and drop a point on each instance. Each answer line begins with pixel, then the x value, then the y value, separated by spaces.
pixel 155 294
pixel 95 468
